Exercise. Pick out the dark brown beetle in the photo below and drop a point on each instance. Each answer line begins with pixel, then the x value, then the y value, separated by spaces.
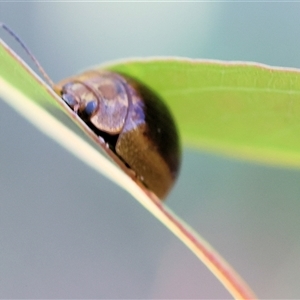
pixel 131 119
pixel 134 122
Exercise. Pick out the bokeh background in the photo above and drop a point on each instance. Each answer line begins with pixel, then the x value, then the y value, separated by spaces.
pixel 68 232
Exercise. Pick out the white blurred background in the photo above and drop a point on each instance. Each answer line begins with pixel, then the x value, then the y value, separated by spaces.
pixel 67 232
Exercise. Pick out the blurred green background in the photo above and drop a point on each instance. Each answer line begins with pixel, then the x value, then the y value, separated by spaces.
pixel 67 232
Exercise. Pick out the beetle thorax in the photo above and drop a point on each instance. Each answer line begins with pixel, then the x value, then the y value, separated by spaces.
pixel 101 100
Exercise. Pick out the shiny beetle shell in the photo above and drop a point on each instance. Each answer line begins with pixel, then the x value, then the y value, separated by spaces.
pixel 133 120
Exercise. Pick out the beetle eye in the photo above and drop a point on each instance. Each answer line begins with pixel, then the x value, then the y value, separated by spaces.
pixel 70 100
pixel 90 108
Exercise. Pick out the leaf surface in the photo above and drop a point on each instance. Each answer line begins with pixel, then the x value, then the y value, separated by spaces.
pixel 30 96
pixel 246 110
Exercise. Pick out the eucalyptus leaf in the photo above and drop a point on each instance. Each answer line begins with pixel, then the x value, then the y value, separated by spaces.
pixel 21 88
pixel 245 110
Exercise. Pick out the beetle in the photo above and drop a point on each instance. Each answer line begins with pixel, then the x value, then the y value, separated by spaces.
pixel 134 122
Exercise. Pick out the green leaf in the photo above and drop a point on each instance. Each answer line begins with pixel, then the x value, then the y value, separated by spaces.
pixel 36 101
pixel 246 110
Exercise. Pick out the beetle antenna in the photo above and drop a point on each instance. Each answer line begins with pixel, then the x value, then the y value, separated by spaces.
pixel 36 62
